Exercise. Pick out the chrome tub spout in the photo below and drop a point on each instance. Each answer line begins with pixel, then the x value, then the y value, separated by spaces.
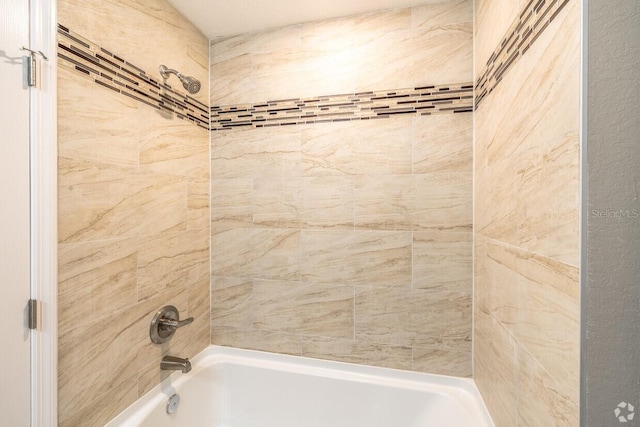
pixel 172 363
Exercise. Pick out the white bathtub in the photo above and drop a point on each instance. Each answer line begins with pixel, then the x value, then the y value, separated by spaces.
pixel 242 388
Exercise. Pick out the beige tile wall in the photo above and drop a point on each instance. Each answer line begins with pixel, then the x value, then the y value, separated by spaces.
pixel 133 213
pixel 526 218
pixel 347 241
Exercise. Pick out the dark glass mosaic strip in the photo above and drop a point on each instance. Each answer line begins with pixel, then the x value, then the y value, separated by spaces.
pixel 110 71
pixel 525 30
pixel 441 99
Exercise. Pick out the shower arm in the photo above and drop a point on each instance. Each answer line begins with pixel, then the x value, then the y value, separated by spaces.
pixel 166 72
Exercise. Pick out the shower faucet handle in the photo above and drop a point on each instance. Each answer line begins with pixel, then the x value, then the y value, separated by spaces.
pixel 165 323
pixel 168 323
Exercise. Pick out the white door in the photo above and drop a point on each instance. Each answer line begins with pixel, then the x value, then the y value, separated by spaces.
pixel 14 217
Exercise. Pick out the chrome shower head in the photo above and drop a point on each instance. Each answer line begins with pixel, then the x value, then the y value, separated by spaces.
pixel 191 84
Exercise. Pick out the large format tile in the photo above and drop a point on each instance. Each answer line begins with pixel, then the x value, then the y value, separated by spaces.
pixel 309 309
pixel 310 202
pixel 425 318
pixel 255 153
pixel 443 143
pixel 541 400
pixel 414 202
pixel 172 146
pixel 93 278
pixel 442 259
pixel 357 351
pixel 232 302
pixel 549 318
pixel 442 362
pixel 257 253
pixel 502 284
pixel 116 202
pixel 275 342
pixel 95 124
pixel 369 147
pixel 356 258
pixel 495 366
pixel 171 260
pixel 231 203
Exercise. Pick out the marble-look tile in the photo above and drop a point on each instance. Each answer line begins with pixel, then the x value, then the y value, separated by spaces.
pixel 104 406
pixel 496 200
pixel 256 153
pixel 275 342
pixel 231 203
pixel 170 34
pixel 232 81
pixel 442 259
pixel 356 258
pixel 443 143
pixel 549 201
pixel 97 358
pixel 171 260
pixel 116 202
pixel 480 268
pixel 199 307
pixel 303 84
pixel 495 366
pixel 413 202
pixel 356 351
pixel 426 318
pixel 502 284
pixel 277 202
pixel 442 13
pixel 259 252
pixel 172 146
pixel 549 318
pixel 95 124
pixel 310 202
pixel 418 56
pixel 442 362
pixel 368 147
pixel 301 308
pixel 328 202
pixel 493 18
pixel 541 400
pixel 198 212
pixel 150 376
pixel 353 31
pixel 93 278
pixel 271 40
pixel 232 302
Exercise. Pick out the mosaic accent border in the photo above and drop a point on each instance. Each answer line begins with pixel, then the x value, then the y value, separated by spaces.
pixel 525 30
pixel 109 70
pixel 424 100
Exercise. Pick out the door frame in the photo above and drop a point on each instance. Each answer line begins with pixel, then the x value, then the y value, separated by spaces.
pixel 44 196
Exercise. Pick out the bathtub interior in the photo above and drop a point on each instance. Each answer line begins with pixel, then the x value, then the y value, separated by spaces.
pixel 242 388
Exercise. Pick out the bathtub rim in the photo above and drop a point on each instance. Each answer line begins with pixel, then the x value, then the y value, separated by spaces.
pixel 462 389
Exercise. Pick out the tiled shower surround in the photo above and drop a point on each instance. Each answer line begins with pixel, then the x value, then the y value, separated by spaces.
pixel 348 239
pixel 526 214
pixel 133 225
pixel 339 172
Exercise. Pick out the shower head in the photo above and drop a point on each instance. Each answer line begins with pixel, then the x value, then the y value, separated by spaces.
pixel 191 84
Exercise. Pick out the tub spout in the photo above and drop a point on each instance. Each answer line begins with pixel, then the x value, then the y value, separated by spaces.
pixel 172 363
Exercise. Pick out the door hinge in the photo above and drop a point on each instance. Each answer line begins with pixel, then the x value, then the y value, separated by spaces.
pixel 34 308
pixel 30 65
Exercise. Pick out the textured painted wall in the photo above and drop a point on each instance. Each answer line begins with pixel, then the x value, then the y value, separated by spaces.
pixel 612 217
pixel 526 212
pixel 348 241
pixel 133 212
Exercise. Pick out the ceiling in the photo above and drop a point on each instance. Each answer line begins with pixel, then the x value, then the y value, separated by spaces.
pixel 216 18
